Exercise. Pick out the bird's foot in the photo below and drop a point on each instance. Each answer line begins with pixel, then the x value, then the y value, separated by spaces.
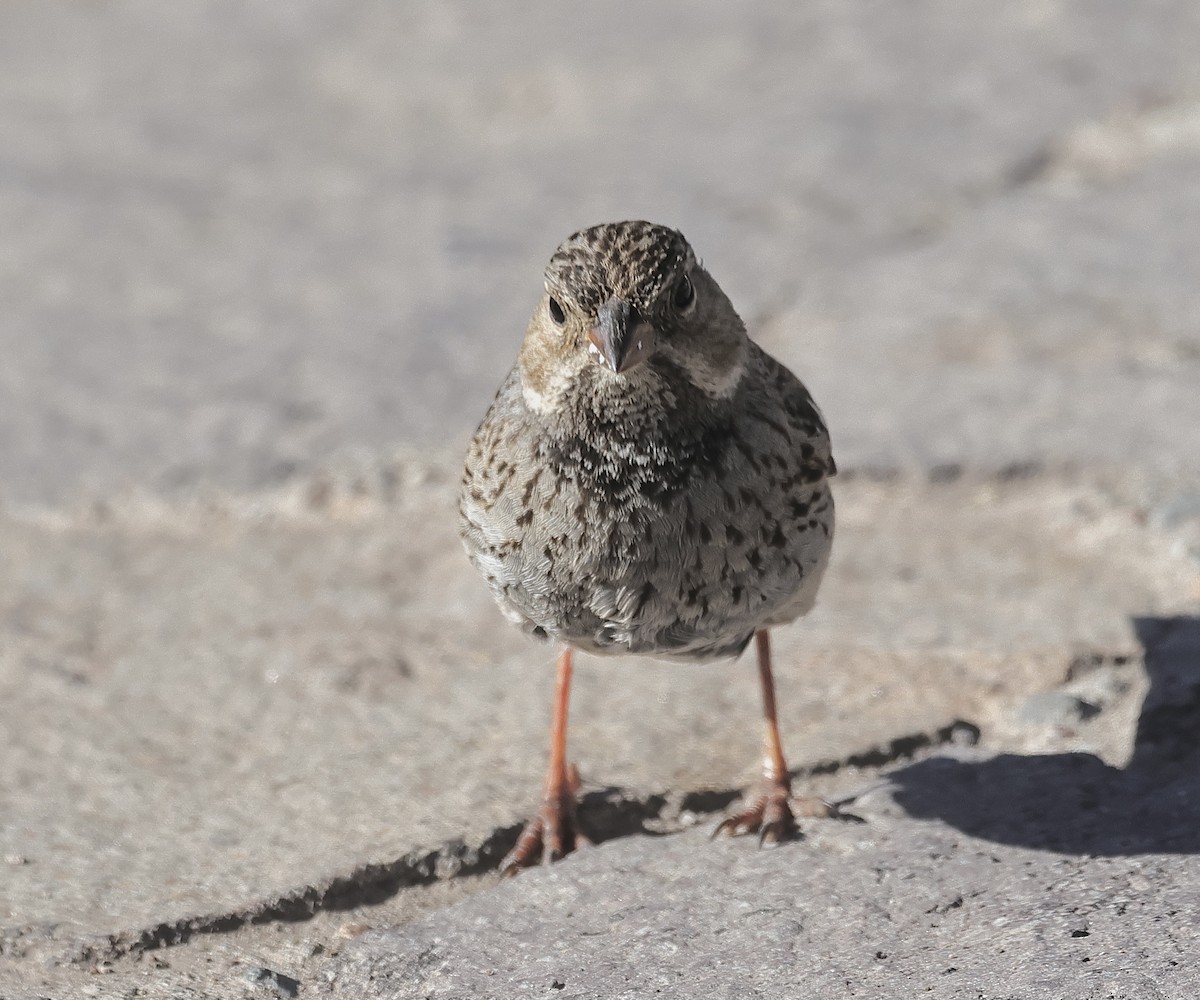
pixel 552 834
pixel 772 815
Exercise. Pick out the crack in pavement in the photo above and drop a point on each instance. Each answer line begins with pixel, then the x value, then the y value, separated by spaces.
pixel 608 812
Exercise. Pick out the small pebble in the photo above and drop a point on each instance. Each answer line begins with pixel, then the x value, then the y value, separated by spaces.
pixel 284 986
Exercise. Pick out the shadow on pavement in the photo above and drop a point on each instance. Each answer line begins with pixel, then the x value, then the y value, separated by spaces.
pixel 1074 803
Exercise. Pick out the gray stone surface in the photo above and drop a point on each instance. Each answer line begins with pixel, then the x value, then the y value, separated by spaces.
pixel 966 880
pixel 207 710
pixel 237 239
pixel 230 711
pixel 251 253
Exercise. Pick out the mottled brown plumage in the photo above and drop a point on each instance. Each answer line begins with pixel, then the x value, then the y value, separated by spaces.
pixel 647 480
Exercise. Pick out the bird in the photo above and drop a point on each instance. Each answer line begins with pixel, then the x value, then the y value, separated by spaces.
pixel 648 480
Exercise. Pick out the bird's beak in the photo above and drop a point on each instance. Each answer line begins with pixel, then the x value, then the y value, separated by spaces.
pixel 621 337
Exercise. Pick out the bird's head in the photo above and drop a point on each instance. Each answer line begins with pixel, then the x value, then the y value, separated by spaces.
pixel 628 311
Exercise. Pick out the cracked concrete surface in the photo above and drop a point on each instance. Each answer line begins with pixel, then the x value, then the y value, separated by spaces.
pixel 263 733
pixel 295 667
pixel 846 913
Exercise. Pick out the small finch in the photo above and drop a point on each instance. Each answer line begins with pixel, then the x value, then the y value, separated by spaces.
pixel 648 480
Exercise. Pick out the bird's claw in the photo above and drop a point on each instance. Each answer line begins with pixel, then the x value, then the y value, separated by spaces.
pixel 552 834
pixel 772 815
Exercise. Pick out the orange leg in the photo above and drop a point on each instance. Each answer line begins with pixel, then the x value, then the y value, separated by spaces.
pixel 553 832
pixel 775 768
pixel 770 815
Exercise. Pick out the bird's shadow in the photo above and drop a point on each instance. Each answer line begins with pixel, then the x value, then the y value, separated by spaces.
pixel 1074 803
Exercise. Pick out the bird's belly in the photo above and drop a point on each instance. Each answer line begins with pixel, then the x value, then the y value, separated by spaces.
pixel 689 577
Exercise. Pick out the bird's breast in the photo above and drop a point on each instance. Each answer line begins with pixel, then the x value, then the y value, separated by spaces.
pixel 675 540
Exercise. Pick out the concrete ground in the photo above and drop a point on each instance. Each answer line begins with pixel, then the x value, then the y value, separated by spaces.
pixel 263 733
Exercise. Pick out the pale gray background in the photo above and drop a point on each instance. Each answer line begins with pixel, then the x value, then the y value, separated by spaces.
pixel 237 239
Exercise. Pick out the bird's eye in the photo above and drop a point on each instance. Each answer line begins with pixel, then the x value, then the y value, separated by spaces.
pixel 556 312
pixel 685 294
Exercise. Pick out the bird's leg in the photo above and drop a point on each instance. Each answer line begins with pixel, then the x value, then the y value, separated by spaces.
pixel 771 815
pixel 553 832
